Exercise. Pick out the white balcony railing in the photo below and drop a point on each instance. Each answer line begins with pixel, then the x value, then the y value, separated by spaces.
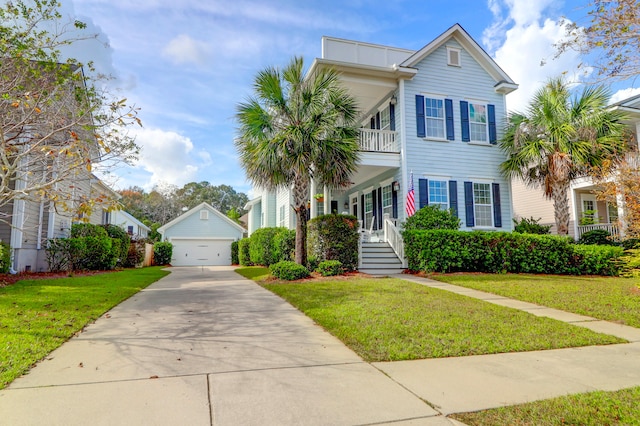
pixel 609 227
pixel 378 140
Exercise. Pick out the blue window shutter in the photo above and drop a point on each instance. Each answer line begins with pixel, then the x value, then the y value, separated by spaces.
pixel 392 117
pixel 468 204
pixel 378 120
pixel 448 112
pixel 464 120
pixel 374 212
pixel 422 132
pixel 493 134
pixel 373 122
pixel 362 210
pixel 394 203
pixel 497 210
pixel 423 192
pixel 453 197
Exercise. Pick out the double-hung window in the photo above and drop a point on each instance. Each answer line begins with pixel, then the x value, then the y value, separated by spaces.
pixel 368 209
pixel 387 201
pixel 483 207
pixel 434 118
pixel 478 122
pixel 438 193
pixel 385 119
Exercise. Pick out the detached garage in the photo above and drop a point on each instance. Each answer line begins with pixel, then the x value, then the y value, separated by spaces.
pixel 201 236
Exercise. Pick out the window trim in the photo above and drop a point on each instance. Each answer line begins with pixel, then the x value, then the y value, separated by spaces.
pixel 428 96
pixel 475 203
pixel 446 191
pixel 486 123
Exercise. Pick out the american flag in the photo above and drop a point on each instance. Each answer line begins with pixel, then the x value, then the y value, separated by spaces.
pixel 411 199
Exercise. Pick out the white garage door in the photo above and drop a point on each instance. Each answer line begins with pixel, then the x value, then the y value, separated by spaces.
pixel 196 252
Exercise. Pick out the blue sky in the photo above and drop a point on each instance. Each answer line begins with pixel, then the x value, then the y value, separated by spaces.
pixel 187 63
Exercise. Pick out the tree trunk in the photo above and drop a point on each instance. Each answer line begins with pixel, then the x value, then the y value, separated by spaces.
pixel 301 234
pixel 300 198
pixel 560 196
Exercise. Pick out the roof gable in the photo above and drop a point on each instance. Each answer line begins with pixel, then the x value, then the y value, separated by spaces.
pixel 196 209
pixel 473 48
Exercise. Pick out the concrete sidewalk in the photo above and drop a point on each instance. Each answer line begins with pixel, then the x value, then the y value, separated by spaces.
pixel 204 346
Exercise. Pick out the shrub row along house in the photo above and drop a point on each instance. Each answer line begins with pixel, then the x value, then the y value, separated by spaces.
pixel 430 121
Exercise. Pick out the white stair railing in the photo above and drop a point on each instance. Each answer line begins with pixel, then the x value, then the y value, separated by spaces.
pixel 393 237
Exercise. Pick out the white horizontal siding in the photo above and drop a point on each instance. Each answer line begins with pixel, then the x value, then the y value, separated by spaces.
pixel 194 227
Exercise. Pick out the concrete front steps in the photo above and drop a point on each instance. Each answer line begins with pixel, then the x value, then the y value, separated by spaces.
pixel 379 259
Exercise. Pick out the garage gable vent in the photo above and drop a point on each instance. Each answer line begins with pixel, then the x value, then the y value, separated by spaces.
pixel 204 215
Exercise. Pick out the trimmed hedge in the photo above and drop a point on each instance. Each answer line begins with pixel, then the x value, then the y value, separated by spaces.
pixel 284 244
pixel 162 253
pixel 287 270
pixel 235 260
pixel 499 252
pixel 330 268
pixel 244 256
pixel 334 237
pixel 5 257
pixel 432 217
pixel 262 249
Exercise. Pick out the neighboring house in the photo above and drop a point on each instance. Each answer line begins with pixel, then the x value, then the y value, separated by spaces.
pixel 436 113
pixel 587 213
pixel 201 236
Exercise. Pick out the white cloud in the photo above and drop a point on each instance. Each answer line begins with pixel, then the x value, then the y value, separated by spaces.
pixel 167 157
pixel 623 94
pixel 184 49
pixel 524 46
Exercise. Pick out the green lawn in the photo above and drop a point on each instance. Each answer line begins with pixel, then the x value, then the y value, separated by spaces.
pixel 607 298
pixel 37 316
pixel 256 273
pixel 590 409
pixel 392 319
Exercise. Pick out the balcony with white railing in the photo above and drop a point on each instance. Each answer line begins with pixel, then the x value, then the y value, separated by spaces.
pixel 372 140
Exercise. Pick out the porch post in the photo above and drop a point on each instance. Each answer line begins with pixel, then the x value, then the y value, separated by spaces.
pixel 327 201
pixel 314 202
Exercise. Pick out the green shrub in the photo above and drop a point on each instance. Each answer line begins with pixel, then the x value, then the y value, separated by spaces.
pixel 79 230
pixel 312 263
pixel 235 260
pixel 498 252
pixel 244 255
pixel 262 250
pixel 115 231
pixel 596 236
pixel 432 217
pixel 334 237
pixel 135 254
pixel 530 226
pixel 329 268
pixel 631 243
pixel 287 270
pixel 599 259
pixel 162 253
pixel 97 254
pixel 5 258
pixel 284 244
pixel 631 263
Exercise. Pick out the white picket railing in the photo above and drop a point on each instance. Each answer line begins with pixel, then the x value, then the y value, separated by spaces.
pixel 378 140
pixel 393 237
pixel 609 227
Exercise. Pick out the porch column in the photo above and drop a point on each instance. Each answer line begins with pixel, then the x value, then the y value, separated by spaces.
pixel 314 203
pixel 327 200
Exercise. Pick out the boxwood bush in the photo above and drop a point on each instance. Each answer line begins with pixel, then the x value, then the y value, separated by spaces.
pixel 162 253
pixel 235 260
pixel 284 244
pixel 329 268
pixel 334 237
pixel 498 252
pixel 433 217
pixel 244 257
pixel 287 270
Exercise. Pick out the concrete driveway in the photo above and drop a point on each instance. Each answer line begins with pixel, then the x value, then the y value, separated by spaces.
pixel 204 346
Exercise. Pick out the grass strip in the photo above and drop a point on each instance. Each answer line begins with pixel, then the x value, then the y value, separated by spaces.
pixel 256 273
pixel 37 316
pixel 607 298
pixel 589 409
pixel 391 319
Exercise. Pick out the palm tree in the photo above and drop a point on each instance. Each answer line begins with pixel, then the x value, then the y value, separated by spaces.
pixel 561 137
pixel 295 129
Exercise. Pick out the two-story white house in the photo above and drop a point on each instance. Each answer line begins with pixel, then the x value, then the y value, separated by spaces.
pixel 435 114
